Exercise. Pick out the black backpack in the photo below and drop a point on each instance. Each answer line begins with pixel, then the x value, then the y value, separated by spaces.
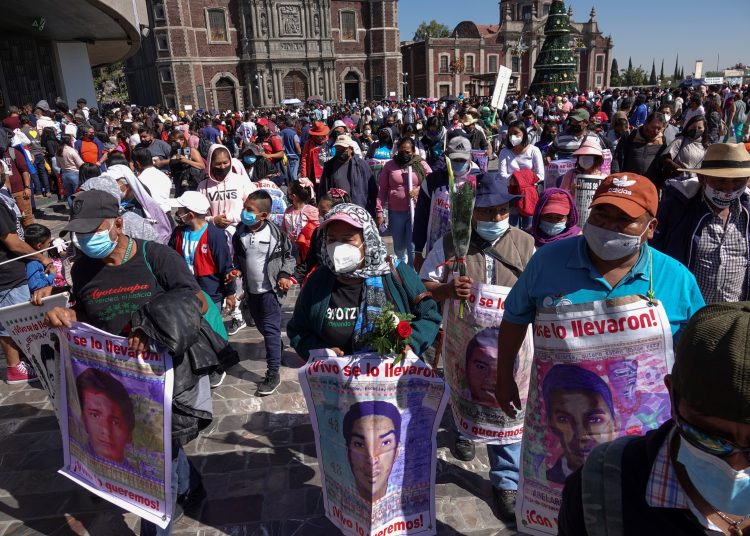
pixel 203 146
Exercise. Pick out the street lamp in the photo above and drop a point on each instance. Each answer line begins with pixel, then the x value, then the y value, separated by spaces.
pixel 406 84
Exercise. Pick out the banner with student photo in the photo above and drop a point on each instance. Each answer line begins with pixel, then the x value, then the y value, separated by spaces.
pixel 470 350
pixel 598 374
pixel 115 409
pixel 375 422
pixel 25 324
pixel 556 169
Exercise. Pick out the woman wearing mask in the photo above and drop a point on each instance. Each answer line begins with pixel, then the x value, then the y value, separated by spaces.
pixel 366 138
pixel 589 160
pixel 555 217
pixel 69 161
pixel 186 165
pixel 688 148
pixel 548 136
pixel 399 183
pixel 518 154
pixel 410 130
pixel 356 274
pixel 382 149
pixel 433 141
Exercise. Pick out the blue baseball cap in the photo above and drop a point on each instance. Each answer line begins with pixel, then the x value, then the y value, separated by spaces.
pixel 492 190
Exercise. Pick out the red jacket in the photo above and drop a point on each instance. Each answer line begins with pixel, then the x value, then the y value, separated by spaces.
pixel 526 186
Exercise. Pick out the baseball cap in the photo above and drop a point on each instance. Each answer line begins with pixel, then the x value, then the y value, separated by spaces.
pixel 492 190
pixel 631 193
pixel 90 209
pixel 580 115
pixel 712 362
pixel 459 147
pixel 43 105
pixel 344 140
pixel 193 201
pixel 557 204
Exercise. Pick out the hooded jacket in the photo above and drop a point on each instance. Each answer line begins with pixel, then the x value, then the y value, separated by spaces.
pixel 526 187
pixel 225 197
pixel 571 227
pixel 682 215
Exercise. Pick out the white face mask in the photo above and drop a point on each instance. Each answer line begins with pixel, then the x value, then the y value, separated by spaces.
pixel 585 162
pixel 611 245
pixel 722 199
pixel 345 257
pixel 515 141
pixel 667 117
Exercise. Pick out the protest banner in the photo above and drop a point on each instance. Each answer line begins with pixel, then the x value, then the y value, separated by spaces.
pixel 440 216
pixel 115 408
pixel 27 327
pixel 598 374
pixel 586 186
pixel 375 422
pixel 502 83
pixel 556 169
pixel 471 367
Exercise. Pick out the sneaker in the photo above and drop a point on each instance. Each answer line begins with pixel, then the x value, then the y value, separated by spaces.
pixel 216 378
pixel 463 449
pixel 235 325
pixel 505 500
pixel 21 373
pixel 269 384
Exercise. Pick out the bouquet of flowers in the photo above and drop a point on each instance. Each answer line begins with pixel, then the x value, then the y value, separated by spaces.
pixel 462 206
pixel 391 332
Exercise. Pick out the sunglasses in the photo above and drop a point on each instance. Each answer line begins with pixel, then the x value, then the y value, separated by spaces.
pixel 708 443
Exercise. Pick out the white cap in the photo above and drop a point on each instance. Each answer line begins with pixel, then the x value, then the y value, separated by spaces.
pixel 344 140
pixel 339 123
pixel 193 201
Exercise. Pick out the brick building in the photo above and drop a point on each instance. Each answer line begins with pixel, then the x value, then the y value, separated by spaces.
pixel 467 61
pixel 230 54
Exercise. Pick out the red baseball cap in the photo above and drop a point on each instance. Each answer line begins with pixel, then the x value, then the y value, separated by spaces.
pixel 631 193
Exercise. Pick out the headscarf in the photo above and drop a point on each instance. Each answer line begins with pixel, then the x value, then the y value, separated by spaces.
pixel 376 255
pixel 571 226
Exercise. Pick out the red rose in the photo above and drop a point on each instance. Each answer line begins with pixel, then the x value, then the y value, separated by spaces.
pixel 403 329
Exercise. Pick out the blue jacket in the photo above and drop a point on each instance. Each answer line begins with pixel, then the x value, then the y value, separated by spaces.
pixel 639 115
pixel 100 153
pixel 37 277
pixel 683 212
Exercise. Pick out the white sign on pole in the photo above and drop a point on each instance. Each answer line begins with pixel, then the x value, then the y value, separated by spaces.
pixel 714 80
pixel 188 107
pixel 501 86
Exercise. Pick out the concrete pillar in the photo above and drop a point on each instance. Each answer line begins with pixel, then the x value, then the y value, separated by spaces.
pixel 74 71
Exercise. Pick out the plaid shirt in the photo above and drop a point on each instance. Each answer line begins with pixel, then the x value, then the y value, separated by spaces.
pixel 722 257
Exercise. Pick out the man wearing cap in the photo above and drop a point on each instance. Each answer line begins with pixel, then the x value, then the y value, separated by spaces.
pixel 641 151
pixel 497 255
pixel 576 132
pixel 690 476
pixel 349 172
pixel 116 275
pixel 703 223
pixel 611 260
pixel 42 111
pixel 476 135
pixel 432 213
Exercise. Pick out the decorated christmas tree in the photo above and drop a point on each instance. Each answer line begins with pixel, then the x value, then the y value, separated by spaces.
pixel 555 66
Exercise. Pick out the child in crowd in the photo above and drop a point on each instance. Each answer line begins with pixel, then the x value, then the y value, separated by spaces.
pixel 39 237
pixel 302 217
pixel 264 256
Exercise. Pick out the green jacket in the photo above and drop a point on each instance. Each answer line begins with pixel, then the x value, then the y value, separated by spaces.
pixel 306 324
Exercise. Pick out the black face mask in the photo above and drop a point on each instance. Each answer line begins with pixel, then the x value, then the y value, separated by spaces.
pixel 575 128
pixel 343 156
pixel 384 137
pixel 220 174
pixel 402 159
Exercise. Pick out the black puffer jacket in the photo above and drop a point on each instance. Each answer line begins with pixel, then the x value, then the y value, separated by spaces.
pixel 173 320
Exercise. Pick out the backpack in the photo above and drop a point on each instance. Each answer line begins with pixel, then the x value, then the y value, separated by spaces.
pixel 203 146
pixel 5 139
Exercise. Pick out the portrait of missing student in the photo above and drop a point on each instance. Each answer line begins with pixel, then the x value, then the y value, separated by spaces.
pixel 580 414
pixel 481 367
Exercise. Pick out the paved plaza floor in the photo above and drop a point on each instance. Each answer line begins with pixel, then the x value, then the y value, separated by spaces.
pixel 257 459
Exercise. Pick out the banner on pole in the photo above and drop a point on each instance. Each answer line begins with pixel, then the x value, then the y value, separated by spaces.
pixel 501 87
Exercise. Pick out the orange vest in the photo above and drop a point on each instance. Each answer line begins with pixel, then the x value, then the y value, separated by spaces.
pixel 89 151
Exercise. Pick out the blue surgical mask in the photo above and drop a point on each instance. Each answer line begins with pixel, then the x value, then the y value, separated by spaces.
pixel 95 245
pixel 460 169
pixel 492 230
pixel 249 160
pixel 724 488
pixel 249 218
pixel 552 229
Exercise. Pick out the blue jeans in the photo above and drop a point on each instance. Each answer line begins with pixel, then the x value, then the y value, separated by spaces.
pixel 400 226
pixel 41 172
pixel 13 296
pixel 522 222
pixel 505 465
pixel 266 312
pixel 184 479
pixel 70 184
pixel 292 165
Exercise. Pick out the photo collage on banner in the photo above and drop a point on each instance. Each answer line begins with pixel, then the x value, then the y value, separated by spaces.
pixel 470 353
pixel 375 424
pixel 598 374
pixel 115 408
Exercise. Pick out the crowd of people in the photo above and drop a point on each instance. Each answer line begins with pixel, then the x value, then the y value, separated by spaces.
pixel 238 207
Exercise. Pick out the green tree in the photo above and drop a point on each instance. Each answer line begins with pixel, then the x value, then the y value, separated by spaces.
pixel 109 83
pixel 555 66
pixel 652 78
pixel 431 29
pixel 661 74
pixel 676 75
pixel 614 76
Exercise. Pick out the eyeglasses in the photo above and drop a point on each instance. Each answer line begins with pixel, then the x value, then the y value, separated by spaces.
pixel 711 444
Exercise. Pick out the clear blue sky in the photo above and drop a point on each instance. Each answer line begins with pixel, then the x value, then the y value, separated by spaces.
pixel 647 30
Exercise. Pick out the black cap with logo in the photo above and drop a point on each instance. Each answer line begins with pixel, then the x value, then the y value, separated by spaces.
pixel 90 209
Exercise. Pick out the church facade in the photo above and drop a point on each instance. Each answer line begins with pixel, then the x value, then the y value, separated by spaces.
pixel 467 62
pixel 227 54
